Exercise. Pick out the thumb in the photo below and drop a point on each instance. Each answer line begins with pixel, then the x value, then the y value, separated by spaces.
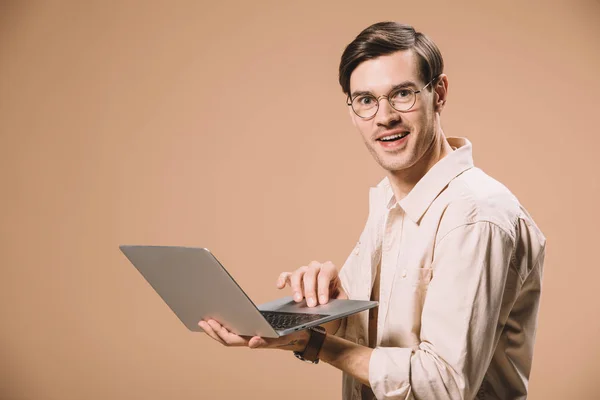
pixel 257 342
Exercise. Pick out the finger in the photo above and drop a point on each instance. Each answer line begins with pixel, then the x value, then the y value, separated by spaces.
pixel 310 285
pixel 210 332
pixel 326 281
pixel 334 289
pixel 230 339
pixel 296 283
pixel 257 342
pixel 284 278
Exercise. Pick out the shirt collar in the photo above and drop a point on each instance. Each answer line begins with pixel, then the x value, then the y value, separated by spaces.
pixel 434 181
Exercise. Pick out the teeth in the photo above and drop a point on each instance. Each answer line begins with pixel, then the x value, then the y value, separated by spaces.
pixel 393 137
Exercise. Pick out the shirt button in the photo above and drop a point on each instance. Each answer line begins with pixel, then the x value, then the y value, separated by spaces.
pixel 404 273
pixel 356 250
pixel 361 341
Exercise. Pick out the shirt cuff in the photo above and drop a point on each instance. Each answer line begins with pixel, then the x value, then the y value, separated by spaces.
pixel 389 372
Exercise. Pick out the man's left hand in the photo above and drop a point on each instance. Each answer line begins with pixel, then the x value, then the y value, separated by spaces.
pixel 295 341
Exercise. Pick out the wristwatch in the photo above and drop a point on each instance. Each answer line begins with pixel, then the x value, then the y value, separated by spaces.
pixel 313 347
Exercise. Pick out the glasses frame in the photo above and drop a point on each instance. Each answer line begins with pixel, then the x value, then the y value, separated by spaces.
pixel 349 100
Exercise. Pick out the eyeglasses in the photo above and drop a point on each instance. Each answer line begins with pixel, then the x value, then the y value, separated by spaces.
pixel 401 99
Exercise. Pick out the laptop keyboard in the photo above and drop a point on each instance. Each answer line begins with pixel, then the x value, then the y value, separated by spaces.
pixel 283 320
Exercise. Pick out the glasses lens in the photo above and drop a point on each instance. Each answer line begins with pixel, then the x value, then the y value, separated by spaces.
pixel 365 106
pixel 402 99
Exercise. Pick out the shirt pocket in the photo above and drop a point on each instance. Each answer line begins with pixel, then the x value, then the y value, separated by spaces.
pixel 418 277
pixel 403 321
pixel 411 287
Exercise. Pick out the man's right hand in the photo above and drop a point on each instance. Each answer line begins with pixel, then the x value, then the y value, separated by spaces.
pixel 316 282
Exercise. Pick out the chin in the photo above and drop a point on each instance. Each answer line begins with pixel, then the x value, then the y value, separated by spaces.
pixel 394 165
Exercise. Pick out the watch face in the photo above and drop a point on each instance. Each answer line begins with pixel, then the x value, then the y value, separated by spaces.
pixel 319 329
pixel 299 357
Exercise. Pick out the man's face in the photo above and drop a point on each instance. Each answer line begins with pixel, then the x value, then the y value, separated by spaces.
pixel 416 126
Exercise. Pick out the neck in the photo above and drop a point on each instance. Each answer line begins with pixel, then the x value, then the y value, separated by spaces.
pixel 404 181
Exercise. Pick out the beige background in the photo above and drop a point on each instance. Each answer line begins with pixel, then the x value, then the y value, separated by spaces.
pixel 221 124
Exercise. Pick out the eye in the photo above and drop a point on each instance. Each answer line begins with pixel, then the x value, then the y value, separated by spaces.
pixel 402 96
pixel 365 101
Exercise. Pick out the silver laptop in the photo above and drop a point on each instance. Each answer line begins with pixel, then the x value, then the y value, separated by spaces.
pixel 197 287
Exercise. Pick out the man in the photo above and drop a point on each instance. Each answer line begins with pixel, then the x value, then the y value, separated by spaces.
pixel 452 257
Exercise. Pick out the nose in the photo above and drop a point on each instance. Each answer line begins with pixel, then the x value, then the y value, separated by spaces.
pixel 386 115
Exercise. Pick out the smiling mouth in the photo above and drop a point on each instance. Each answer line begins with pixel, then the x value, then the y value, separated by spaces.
pixel 393 138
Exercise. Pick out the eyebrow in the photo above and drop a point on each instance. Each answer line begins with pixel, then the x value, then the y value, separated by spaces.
pixel 402 85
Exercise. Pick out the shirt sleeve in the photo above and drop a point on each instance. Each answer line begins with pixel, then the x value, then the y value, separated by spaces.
pixel 341 331
pixel 348 272
pixel 460 323
pixel 343 274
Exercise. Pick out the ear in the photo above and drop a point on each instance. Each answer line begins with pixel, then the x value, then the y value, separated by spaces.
pixel 441 93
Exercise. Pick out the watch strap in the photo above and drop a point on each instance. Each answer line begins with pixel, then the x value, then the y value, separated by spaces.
pixel 313 347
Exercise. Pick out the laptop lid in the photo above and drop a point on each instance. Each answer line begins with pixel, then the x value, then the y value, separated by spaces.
pixel 196 286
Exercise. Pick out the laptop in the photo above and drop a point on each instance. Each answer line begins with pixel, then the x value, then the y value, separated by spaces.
pixel 196 287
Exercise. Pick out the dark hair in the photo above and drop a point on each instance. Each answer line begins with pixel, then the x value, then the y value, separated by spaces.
pixel 384 38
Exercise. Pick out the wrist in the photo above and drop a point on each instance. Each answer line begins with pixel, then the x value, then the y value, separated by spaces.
pixel 302 341
pixel 312 349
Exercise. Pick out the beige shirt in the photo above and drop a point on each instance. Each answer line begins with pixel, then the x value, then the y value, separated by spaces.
pixel 460 277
